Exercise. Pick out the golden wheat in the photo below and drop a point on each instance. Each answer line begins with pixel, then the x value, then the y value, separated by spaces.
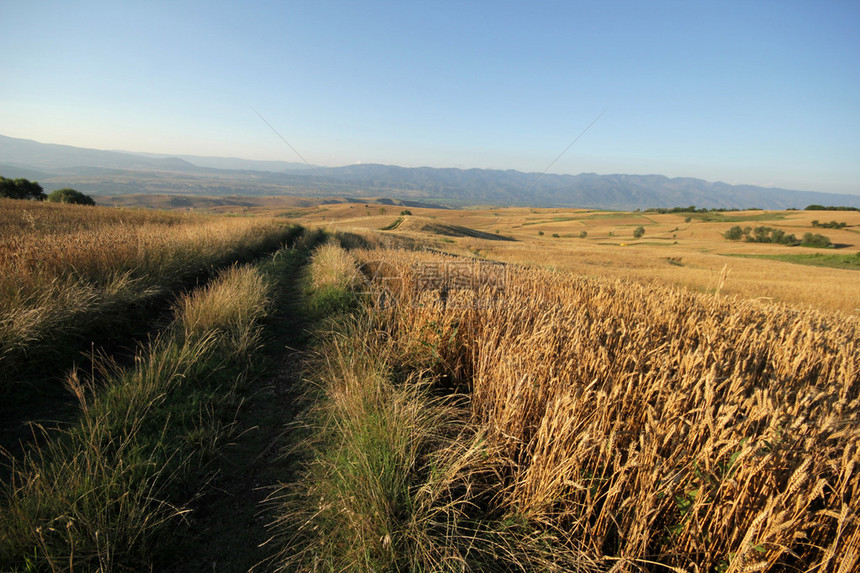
pixel 652 424
pixel 62 263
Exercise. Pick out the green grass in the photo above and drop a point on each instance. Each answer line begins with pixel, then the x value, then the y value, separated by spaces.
pixel 735 217
pixel 554 220
pixel 393 225
pixel 105 492
pixel 851 262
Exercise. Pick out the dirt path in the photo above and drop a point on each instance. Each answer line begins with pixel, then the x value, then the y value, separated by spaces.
pixel 228 524
pixel 226 528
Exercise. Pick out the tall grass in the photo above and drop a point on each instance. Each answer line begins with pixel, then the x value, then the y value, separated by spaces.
pixel 63 266
pixel 650 427
pixel 102 493
pixel 397 479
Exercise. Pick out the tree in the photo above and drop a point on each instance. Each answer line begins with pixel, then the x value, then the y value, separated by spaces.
pixel 21 189
pixel 638 232
pixel 734 234
pixel 67 195
pixel 816 240
pixel 583 234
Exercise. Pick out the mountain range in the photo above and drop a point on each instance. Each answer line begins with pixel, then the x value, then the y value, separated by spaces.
pixel 98 172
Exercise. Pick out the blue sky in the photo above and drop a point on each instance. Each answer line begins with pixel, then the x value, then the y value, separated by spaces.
pixel 759 92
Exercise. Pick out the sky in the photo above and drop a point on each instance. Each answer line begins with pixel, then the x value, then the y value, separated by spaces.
pixel 756 92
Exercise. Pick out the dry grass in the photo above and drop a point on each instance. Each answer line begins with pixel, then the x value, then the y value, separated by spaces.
pixel 673 251
pixel 62 265
pixel 397 476
pixel 655 425
pixel 100 494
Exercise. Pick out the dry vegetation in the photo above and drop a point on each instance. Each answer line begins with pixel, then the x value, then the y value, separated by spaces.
pixel 63 265
pixel 103 493
pixel 690 254
pixel 464 415
pixel 635 426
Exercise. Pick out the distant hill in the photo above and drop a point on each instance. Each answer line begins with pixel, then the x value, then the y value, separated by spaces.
pixel 98 172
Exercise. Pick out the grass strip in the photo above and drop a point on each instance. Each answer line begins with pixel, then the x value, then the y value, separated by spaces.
pixel 103 493
pixel 851 262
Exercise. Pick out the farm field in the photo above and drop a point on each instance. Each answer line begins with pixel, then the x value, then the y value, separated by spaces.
pixel 64 266
pixel 461 391
pixel 99 465
pixel 473 414
pixel 673 250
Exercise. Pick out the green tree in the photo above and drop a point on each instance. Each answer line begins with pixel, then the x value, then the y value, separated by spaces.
pixel 67 195
pixel 21 189
pixel 816 240
pixel 736 233
pixel 638 232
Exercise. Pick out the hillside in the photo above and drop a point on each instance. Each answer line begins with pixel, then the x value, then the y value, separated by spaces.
pixel 97 172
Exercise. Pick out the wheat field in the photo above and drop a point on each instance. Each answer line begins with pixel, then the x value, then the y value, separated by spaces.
pixel 61 265
pixel 676 249
pixel 647 425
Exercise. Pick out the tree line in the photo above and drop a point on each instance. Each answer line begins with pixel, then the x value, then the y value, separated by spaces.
pixel 778 236
pixel 21 188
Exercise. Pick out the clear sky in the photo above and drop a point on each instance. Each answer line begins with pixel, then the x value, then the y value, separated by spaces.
pixel 759 92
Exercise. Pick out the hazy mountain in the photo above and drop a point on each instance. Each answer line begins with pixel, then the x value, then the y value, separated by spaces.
pixel 54 158
pixel 99 172
pixel 234 163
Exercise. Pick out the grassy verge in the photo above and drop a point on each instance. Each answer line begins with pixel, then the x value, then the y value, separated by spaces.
pixel 851 262
pixel 104 492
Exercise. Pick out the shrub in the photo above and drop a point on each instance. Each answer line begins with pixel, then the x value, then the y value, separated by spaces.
pixel 736 233
pixel 583 234
pixel 815 240
pixel 830 225
pixel 67 195
pixel 638 232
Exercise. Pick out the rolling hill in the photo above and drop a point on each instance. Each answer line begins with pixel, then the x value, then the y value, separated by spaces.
pixel 98 172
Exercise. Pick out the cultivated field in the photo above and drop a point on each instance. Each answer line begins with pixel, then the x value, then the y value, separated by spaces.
pixel 481 390
pixel 673 250
pixel 172 324
pixel 482 414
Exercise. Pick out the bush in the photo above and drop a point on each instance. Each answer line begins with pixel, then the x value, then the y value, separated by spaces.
pixel 829 208
pixel 583 234
pixel 816 240
pixel 830 225
pixel 67 195
pixel 734 234
pixel 638 232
